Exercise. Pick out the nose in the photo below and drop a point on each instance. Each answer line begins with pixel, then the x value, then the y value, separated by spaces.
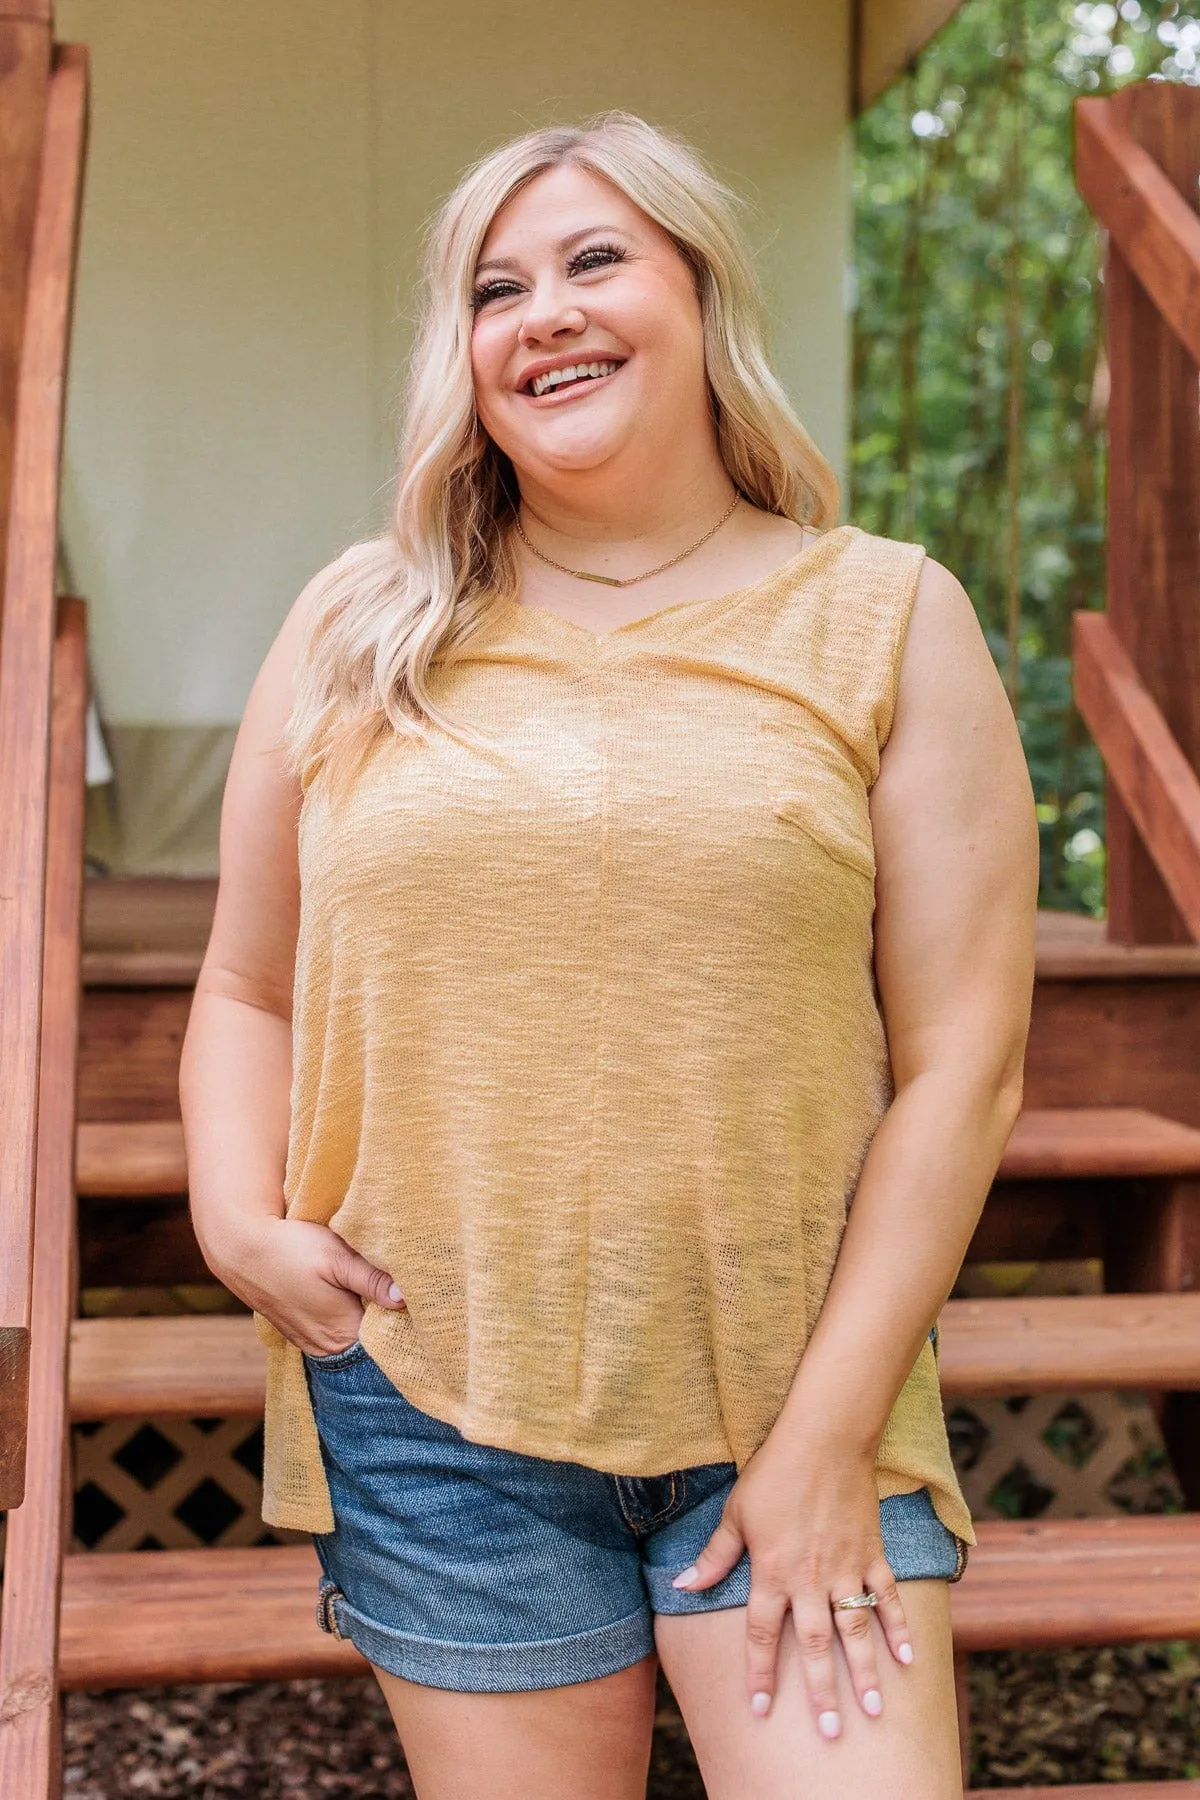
pixel 551 312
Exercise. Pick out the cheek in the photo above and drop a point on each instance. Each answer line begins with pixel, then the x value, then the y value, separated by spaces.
pixel 488 359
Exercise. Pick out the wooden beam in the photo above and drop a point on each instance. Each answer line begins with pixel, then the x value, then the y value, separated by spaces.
pixel 1157 784
pixel 24 79
pixel 27 637
pixel 885 37
pixel 1155 228
pixel 31 1737
pixel 1137 160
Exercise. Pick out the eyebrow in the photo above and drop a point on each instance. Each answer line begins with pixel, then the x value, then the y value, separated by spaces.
pixel 563 244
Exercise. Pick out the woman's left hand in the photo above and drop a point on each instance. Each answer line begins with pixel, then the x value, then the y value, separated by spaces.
pixel 809 1517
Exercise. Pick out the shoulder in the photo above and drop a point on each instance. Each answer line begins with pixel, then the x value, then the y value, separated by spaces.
pixel 950 698
pixel 944 643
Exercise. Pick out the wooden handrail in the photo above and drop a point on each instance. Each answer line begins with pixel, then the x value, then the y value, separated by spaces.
pixel 30 1723
pixel 25 57
pixel 27 632
pixel 1137 159
pixel 1149 220
pixel 1155 780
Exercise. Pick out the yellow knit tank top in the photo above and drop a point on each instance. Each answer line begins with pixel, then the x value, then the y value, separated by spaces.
pixel 587 1047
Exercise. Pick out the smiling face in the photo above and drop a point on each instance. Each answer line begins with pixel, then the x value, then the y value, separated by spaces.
pixel 587 341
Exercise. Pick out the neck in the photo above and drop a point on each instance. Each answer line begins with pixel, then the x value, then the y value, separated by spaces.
pixel 580 510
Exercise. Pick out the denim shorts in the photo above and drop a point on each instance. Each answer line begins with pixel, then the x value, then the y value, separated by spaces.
pixel 463 1566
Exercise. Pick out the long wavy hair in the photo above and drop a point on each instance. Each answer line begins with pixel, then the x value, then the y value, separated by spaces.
pixel 386 607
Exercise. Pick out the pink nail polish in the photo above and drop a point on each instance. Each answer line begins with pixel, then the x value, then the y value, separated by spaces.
pixel 905 1653
pixel 829 1724
pixel 760 1703
pixel 873 1702
pixel 686 1578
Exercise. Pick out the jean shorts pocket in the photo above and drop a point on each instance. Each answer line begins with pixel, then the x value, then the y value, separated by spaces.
pixel 337 1359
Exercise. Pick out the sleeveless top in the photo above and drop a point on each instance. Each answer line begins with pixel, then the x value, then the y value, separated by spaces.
pixel 587 1044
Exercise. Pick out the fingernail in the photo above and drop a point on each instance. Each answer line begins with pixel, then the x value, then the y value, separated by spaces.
pixel 905 1653
pixel 686 1578
pixel 394 1293
pixel 873 1702
pixel 829 1724
pixel 759 1703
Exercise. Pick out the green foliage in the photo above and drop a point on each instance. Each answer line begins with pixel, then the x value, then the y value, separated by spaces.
pixel 979 382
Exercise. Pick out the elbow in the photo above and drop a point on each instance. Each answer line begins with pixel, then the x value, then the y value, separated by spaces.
pixel 1010 1096
pixel 1008 1089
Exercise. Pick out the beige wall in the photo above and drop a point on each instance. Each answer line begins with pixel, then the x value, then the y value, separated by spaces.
pixel 259 176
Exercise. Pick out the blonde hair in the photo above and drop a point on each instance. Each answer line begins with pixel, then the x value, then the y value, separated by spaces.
pixel 388 605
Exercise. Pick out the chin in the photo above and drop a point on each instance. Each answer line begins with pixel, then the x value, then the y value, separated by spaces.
pixel 575 445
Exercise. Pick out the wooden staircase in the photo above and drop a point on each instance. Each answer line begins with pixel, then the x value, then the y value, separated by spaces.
pixel 1105 1161
pixel 1111 1179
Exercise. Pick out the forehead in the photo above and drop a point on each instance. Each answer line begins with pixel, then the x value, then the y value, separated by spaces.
pixel 557 203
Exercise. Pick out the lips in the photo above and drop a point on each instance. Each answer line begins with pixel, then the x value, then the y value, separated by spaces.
pixel 547 381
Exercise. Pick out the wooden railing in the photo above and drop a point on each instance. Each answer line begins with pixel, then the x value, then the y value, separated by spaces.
pixel 1137 666
pixel 43 92
pixel 30 1711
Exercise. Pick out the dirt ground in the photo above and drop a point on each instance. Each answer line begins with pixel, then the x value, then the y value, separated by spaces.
pixel 1097 1715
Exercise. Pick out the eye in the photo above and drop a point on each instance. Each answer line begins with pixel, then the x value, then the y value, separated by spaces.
pixel 492 290
pixel 596 256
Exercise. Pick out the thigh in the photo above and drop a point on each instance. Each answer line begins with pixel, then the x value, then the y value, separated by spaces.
pixel 588 1741
pixel 910 1752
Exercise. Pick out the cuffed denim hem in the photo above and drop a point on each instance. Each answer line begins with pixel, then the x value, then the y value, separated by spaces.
pixel 488 1668
pixel 732 1590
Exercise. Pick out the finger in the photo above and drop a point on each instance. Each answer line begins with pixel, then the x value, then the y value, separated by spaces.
pixel 890 1610
pixel 361 1277
pixel 722 1551
pixel 857 1636
pixel 765 1613
pixel 813 1625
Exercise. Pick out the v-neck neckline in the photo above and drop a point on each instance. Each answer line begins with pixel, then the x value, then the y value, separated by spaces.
pixel 536 614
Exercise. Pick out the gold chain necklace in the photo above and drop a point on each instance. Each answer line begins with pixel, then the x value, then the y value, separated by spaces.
pixel 629 580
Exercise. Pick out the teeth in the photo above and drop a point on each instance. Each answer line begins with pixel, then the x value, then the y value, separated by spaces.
pixel 575 372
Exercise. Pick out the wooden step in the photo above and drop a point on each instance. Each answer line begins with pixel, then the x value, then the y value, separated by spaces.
pixel 140 1618
pixel 130 1161
pixel 1081 1142
pixel 181 1367
pixel 147 1160
pixel 1058 1583
pixel 1080 1343
pixel 1108 1790
pixel 213 1366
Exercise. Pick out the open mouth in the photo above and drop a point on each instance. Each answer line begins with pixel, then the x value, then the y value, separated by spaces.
pixel 573 376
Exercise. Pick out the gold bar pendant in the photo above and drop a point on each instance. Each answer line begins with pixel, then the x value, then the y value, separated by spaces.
pixel 605 580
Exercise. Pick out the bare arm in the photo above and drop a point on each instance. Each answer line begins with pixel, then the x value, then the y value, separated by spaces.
pixel 957 873
pixel 236 1063
pixel 957 855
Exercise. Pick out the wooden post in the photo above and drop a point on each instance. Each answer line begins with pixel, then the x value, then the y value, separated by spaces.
pixel 24 80
pixel 1153 505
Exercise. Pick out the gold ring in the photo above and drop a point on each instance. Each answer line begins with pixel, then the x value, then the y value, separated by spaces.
pixel 853 1600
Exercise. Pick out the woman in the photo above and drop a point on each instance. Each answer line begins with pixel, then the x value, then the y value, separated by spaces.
pixel 652 867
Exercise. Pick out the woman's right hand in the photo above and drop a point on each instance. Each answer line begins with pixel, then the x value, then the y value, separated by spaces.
pixel 308 1282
